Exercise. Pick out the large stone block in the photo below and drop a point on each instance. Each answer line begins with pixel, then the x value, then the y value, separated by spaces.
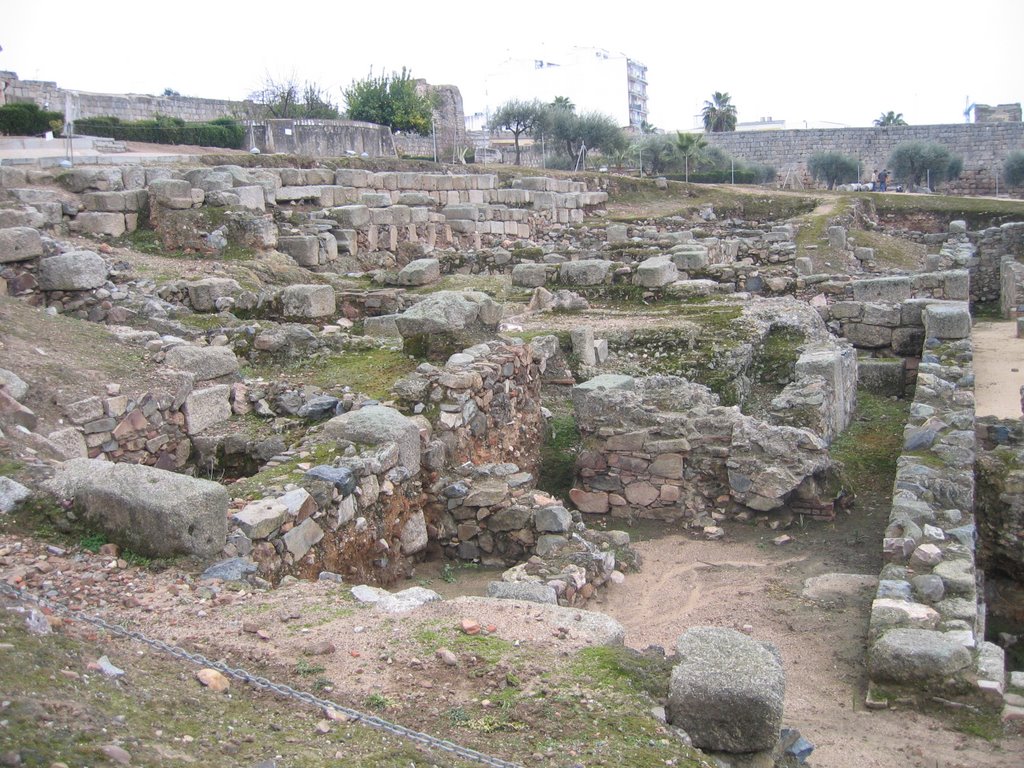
pixel 90 223
pixel 584 272
pixel 251 197
pixel 150 511
pixel 726 691
pixel 204 363
pixel 420 272
pixel 883 289
pixel 203 294
pixel 947 321
pixel 376 425
pixel 918 656
pixel 308 301
pixel 529 275
pixel 206 407
pixel 305 249
pixel 656 272
pixel 350 216
pixel 72 271
pixel 19 244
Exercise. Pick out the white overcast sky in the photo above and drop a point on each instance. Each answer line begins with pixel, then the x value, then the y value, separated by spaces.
pixel 797 60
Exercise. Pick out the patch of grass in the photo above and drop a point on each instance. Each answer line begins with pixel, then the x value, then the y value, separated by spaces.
pixel 252 487
pixel 890 252
pixel 983 724
pixel 869 447
pixel 379 702
pixel 487 648
pixel 618 667
pixel 978 212
pixel 370 371
pixel 557 473
pixel 10 467
pixel 93 542
pixel 304 668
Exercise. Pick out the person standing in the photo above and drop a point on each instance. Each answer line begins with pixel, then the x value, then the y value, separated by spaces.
pixel 883 177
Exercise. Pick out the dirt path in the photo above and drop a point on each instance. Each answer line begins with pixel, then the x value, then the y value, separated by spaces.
pixel 998 369
pixel 748 583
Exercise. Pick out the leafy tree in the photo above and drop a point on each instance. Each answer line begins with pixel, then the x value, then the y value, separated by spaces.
pixel 170 92
pixel 572 132
pixel 24 119
pixel 391 100
pixel 519 117
pixel 657 153
pixel 286 99
pixel 916 161
pixel 1013 168
pixel 832 168
pixel 646 127
pixel 890 118
pixel 563 102
pixel 719 113
pixel 690 146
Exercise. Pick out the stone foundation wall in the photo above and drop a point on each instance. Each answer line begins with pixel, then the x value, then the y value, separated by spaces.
pixel 927 627
pixel 999 473
pixel 991 247
pixel 320 138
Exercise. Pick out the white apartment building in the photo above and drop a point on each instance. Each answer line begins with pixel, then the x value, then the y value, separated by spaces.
pixel 594 79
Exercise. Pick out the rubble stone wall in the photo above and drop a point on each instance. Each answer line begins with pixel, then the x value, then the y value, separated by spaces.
pixel 999 474
pixel 927 626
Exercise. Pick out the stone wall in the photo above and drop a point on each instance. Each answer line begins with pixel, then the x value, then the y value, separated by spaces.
pixel 983 146
pixel 927 626
pixel 999 473
pixel 990 247
pixel 1011 294
pixel 320 138
pixel 125 106
pixel 664 448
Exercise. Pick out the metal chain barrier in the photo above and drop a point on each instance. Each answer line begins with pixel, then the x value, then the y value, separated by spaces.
pixel 263 683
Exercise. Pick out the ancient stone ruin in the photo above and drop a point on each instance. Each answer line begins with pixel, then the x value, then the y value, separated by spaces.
pixel 714 395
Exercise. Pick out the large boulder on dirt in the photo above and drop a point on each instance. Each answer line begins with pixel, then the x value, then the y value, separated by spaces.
pixel 308 301
pixel 726 691
pixel 768 464
pixel 376 425
pixel 205 363
pixel 15 385
pixel 420 272
pixel 72 271
pixel 584 272
pixel 203 294
pixel 147 510
pixel 448 322
pixel 656 272
pixel 19 244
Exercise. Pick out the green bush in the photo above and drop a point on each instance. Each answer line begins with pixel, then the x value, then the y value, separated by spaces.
pixel 1013 168
pixel 916 161
pixel 27 120
pixel 222 132
pixel 832 168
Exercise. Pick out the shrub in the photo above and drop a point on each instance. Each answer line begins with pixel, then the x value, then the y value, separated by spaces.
pixel 832 168
pixel 1013 168
pixel 222 132
pixel 27 120
pixel 917 161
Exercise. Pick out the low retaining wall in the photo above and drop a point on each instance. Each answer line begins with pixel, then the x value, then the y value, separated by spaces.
pixel 927 627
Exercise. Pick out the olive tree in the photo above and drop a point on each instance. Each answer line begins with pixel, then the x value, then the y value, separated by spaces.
pixel 917 161
pixel 1013 169
pixel 832 168
pixel 517 117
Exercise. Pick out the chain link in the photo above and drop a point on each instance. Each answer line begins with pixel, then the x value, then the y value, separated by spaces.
pixel 263 683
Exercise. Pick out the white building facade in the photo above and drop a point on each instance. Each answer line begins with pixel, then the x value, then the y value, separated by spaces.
pixel 593 79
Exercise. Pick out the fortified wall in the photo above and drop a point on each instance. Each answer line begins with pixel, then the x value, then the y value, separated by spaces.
pixel 983 146
pixel 125 106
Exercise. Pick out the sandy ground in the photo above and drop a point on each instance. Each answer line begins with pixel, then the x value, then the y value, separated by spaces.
pixel 998 369
pixel 748 583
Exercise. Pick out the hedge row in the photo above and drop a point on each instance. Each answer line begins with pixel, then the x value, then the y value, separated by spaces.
pixel 28 120
pixel 222 132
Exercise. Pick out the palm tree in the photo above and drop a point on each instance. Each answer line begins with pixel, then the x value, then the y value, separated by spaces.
pixel 890 118
pixel 719 114
pixel 564 102
pixel 690 145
